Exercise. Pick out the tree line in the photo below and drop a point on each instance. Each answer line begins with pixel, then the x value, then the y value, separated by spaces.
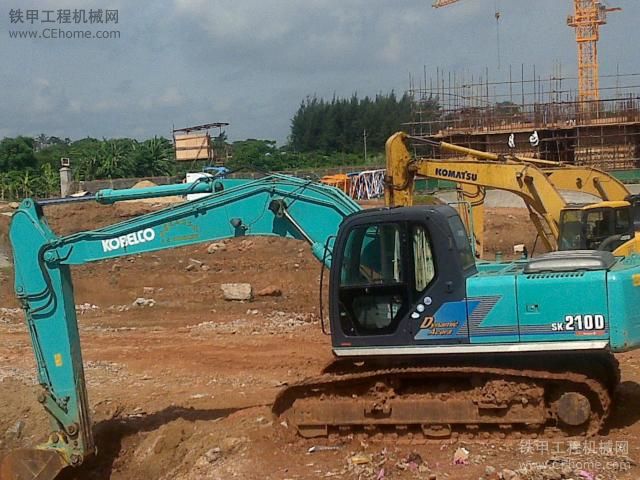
pixel 29 166
pixel 348 124
pixel 323 133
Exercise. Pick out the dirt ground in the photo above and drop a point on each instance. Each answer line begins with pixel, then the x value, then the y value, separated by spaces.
pixel 182 389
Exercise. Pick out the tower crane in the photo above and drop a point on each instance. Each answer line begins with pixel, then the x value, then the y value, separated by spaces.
pixel 587 17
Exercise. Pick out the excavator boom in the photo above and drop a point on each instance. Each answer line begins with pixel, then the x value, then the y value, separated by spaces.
pixel 537 182
pixel 522 179
pixel 275 205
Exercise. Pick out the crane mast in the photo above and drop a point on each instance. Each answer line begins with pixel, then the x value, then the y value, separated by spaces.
pixel 587 17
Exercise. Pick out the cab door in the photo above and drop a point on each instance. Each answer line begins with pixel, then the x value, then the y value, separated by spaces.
pixel 398 284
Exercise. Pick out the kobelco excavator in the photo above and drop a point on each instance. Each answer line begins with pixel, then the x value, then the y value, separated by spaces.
pixel 426 341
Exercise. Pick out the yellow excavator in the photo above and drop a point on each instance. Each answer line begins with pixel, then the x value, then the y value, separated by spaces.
pixel 605 225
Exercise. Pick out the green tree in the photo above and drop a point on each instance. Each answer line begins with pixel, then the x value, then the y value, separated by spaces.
pixel 114 159
pixel 259 154
pixel 17 154
pixel 153 157
pixel 50 180
pixel 26 183
pixel 5 185
pixel 339 125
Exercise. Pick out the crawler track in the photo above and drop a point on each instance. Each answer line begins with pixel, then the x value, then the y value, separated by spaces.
pixel 504 394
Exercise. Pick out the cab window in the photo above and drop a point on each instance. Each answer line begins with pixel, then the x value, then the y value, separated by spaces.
pixel 373 287
pixel 598 223
pixel 372 256
pixel 623 222
pixel 424 265
pixel 571 230
pixel 461 243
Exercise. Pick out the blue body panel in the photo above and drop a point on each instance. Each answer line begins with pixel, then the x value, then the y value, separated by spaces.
pixel 557 307
pixel 505 306
pixel 554 306
pixel 496 321
pixel 601 305
pixel 624 304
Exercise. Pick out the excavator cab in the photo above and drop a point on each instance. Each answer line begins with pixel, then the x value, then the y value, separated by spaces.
pixel 392 270
pixel 600 226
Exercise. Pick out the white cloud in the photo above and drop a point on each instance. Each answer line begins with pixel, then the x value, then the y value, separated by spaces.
pixel 393 50
pixel 294 35
pixel 251 62
pixel 44 99
pixel 239 20
pixel 170 97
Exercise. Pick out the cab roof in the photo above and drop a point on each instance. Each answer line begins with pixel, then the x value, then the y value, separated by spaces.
pixel 604 204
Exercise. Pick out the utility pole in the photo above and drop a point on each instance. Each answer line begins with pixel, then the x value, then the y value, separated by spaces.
pixel 364 136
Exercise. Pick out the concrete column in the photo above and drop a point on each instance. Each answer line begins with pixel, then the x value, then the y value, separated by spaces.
pixel 65 181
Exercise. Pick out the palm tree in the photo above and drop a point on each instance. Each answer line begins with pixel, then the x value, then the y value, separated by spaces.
pixel 5 184
pixel 113 158
pixel 26 183
pixel 50 180
pixel 153 157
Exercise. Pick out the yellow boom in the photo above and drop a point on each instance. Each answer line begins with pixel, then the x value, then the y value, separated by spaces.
pixel 537 182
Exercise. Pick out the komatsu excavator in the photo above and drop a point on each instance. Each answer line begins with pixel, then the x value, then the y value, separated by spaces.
pixel 605 225
pixel 426 342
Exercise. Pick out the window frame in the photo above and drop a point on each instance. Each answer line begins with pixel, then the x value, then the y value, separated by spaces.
pixel 414 226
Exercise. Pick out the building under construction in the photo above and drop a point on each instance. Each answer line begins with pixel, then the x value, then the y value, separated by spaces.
pixel 532 117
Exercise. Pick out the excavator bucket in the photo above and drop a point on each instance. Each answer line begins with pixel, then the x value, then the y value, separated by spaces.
pixel 31 464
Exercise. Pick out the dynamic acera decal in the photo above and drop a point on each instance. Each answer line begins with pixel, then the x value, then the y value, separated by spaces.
pixel 449 321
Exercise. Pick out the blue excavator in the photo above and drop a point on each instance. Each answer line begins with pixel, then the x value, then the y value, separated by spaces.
pixel 427 342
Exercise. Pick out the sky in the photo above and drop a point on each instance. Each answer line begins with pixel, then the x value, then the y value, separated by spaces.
pixel 251 62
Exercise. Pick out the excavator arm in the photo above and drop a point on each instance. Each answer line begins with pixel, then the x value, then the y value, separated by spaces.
pixel 573 178
pixel 275 205
pixel 589 180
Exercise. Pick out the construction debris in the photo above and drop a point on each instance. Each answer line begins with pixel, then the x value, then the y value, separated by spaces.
pixel 237 291
pixel 144 302
pixel 269 292
pixel 461 456
pixel 216 247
